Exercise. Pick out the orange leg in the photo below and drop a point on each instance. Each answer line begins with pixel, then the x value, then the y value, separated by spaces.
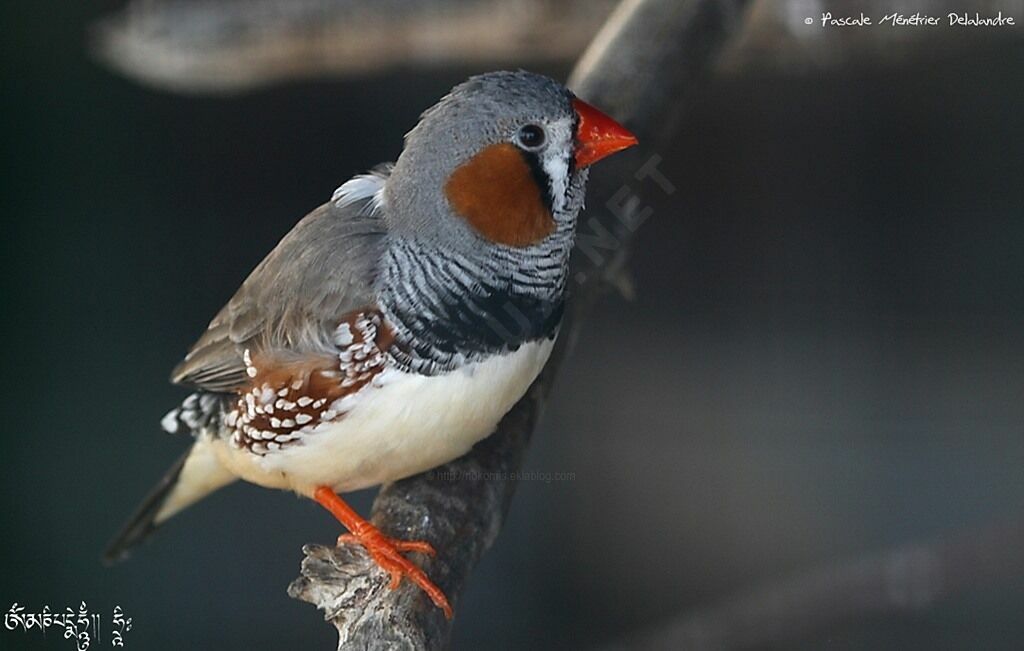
pixel 385 551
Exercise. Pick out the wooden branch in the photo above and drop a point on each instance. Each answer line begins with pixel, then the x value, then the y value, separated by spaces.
pixel 637 68
pixel 910 578
pixel 224 46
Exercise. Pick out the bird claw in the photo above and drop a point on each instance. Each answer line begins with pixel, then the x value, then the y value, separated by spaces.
pixel 387 553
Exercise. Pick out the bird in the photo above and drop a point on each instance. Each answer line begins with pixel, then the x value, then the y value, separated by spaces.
pixel 393 326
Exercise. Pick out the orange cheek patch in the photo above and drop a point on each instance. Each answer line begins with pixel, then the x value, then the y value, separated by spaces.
pixel 496 193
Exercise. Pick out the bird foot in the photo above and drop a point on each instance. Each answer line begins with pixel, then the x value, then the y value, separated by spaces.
pixel 387 553
pixel 384 550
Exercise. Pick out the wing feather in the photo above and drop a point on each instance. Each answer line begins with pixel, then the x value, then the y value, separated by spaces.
pixel 323 269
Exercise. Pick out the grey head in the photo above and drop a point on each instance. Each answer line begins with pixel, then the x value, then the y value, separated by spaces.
pixel 520 119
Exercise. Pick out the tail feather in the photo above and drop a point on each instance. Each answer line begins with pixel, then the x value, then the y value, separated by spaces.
pixel 196 474
pixel 142 523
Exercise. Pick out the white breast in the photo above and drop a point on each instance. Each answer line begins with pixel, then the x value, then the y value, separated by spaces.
pixel 407 424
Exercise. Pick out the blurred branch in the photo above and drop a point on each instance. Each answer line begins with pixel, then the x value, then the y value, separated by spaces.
pixel 642 67
pixel 910 578
pixel 226 46
pixel 223 46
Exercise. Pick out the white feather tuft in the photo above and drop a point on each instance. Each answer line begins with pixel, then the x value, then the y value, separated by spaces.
pixel 169 423
pixel 363 186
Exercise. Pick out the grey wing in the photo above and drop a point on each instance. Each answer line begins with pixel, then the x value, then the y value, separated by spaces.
pixel 324 268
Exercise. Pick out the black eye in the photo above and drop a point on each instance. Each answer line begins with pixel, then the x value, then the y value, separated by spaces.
pixel 531 136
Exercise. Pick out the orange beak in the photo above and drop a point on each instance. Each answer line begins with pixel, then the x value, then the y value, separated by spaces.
pixel 598 135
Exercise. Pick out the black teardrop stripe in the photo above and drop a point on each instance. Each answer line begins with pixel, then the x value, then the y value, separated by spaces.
pixel 540 177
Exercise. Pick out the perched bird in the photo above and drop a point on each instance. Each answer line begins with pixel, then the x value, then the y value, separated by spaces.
pixel 395 325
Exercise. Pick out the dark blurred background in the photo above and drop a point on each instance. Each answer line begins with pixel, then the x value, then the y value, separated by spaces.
pixel 824 357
